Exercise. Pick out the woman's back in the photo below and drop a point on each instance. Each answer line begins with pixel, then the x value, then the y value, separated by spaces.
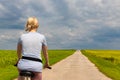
pixel 32 44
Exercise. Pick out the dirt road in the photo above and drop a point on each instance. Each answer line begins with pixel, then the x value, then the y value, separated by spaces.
pixel 75 67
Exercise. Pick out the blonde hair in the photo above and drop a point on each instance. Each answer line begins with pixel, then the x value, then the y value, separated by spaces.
pixel 32 23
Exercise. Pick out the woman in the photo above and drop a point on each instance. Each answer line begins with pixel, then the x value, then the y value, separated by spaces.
pixel 30 46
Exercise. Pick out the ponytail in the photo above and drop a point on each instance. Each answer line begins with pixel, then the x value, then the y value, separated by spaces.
pixel 32 23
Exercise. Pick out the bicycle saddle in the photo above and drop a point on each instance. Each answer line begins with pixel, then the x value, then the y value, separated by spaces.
pixel 26 73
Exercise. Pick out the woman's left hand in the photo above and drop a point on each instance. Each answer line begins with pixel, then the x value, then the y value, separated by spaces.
pixel 47 66
pixel 16 63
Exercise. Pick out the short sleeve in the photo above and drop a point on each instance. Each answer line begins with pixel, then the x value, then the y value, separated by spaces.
pixel 44 41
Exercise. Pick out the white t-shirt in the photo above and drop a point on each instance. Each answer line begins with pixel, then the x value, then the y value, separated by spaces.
pixel 31 47
pixel 32 44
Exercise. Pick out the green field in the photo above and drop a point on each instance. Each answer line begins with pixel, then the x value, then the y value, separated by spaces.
pixel 8 59
pixel 108 61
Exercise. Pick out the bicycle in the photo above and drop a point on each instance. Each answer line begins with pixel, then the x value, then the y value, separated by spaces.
pixel 27 75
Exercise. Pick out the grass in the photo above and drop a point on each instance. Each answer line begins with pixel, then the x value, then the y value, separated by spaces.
pixel 108 61
pixel 8 58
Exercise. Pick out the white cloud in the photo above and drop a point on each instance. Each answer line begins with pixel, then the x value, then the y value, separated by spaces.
pixel 113 24
pixel 98 2
pixel 48 6
pixel 74 7
pixel 76 23
pixel 10 34
pixel 92 20
pixel 2 7
pixel 3 11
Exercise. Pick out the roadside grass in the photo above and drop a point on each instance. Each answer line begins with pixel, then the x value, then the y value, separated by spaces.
pixel 107 61
pixel 7 60
pixel 9 57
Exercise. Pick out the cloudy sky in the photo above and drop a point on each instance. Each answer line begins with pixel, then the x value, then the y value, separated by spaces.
pixel 67 24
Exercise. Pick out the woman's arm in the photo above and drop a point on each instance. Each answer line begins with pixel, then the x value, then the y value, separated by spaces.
pixel 45 54
pixel 19 50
